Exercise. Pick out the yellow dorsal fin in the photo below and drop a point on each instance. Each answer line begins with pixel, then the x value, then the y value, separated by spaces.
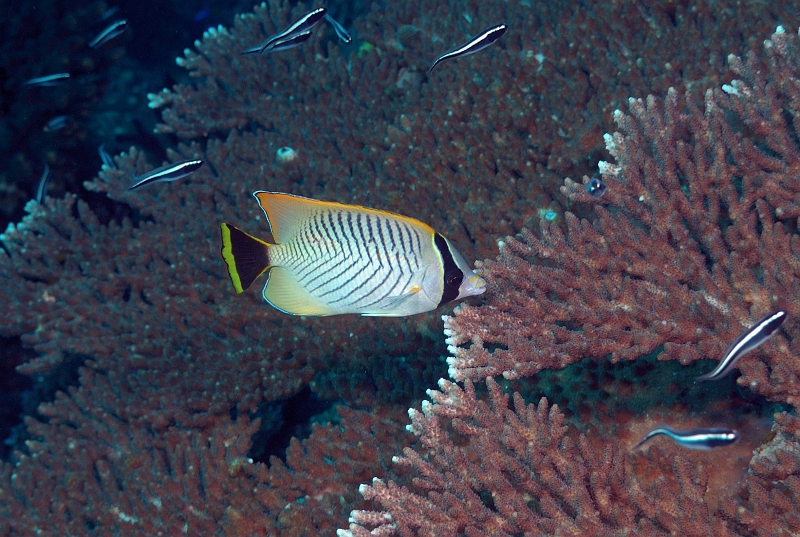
pixel 287 212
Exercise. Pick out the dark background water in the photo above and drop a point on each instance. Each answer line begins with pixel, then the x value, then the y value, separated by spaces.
pixel 105 99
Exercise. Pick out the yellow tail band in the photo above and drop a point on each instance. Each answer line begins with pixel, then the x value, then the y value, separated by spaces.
pixel 247 257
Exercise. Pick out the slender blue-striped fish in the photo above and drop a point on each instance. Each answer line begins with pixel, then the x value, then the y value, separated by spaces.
pixel 252 50
pixel 170 172
pixel 702 439
pixel 41 191
pixel 328 258
pixel 202 14
pixel 109 32
pixel 752 338
pixel 284 44
pixel 57 123
pixel 49 80
pixel 341 33
pixel 479 42
pixel 105 157
pixel 110 12
pixel 290 42
pixel 303 24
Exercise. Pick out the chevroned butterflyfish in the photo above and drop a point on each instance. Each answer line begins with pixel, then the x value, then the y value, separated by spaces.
pixel 328 258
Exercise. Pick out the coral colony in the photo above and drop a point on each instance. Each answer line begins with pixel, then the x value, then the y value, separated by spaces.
pixel 674 251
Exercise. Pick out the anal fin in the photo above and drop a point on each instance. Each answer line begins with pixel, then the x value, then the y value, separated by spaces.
pixel 284 293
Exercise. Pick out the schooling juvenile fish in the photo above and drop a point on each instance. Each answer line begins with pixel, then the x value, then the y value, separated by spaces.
pixel 752 338
pixel 479 42
pixel 170 172
pixel 328 258
pixel 290 42
pixel 109 13
pixel 703 439
pixel 55 124
pixel 105 157
pixel 41 191
pixel 303 24
pixel 49 80
pixel 340 30
pixel 109 32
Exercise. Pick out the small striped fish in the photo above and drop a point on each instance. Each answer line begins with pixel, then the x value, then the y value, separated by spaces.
pixel 751 339
pixel 479 42
pixel 702 439
pixel 330 258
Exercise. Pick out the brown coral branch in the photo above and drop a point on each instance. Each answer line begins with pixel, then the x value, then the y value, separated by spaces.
pixel 502 469
pixel 689 246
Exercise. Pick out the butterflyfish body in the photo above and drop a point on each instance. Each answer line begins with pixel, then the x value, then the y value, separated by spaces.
pixel 329 258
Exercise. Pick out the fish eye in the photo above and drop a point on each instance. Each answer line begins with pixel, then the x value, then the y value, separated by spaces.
pixel 454 278
pixel 596 187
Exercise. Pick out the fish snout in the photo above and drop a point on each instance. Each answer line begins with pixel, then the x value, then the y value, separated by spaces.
pixel 475 285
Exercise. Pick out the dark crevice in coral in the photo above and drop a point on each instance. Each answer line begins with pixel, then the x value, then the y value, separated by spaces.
pixel 385 379
pixel 488 500
pixel 282 421
pixel 495 346
pixel 57 379
pixel 107 210
pixel 13 387
pixel 148 142
pixel 21 395
pixel 640 388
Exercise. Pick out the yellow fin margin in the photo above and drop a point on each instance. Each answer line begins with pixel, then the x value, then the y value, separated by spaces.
pixel 287 212
pixel 247 257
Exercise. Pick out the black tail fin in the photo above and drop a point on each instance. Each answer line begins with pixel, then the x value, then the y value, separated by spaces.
pixel 246 256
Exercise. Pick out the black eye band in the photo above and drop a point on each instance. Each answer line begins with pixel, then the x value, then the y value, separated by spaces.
pixel 449 267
